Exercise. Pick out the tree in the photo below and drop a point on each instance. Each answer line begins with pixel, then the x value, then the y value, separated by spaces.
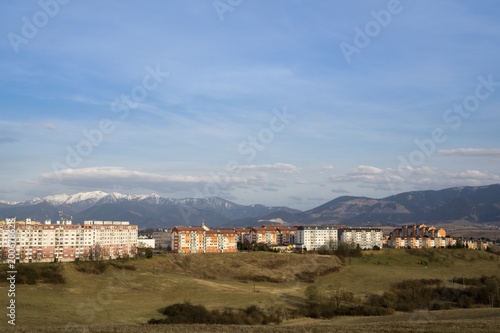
pixel 312 293
pixel 338 295
pixel 149 253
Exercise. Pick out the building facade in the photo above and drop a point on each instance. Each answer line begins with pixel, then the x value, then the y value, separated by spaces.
pixel 366 238
pixel 312 238
pixel 419 236
pixel 264 235
pixel 203 240
pixel 163 239
pixel 64 241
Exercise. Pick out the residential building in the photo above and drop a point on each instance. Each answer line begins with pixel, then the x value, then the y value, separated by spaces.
pixel 312 238
pixel 243 235
pixel 287 235
pixel 419 237
pixel 366 238
pixel 203 240
pixel 163 239
pixel 264 235
pixel 64 241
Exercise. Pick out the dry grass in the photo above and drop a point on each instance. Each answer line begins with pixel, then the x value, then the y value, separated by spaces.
pixel 123 300
pixel 118 297
pixel 450 321
pixel 377 270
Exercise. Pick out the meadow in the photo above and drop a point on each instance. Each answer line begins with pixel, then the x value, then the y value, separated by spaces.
pixel 125 295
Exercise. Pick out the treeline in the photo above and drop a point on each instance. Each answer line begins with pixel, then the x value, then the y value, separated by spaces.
pixel 187 313
pixel 33 274
pixel 432 294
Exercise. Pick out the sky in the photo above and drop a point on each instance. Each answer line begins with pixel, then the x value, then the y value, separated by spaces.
pixel 288 103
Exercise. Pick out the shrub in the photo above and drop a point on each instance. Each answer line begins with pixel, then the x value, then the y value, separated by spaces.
pixel 187 313
pixel 51 274
pixel 91 267
pixel 37 273
pixel 123 266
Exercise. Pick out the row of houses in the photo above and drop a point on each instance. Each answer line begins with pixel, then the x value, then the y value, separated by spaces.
pixel 421 236
pixel 189 239
pixel 65 241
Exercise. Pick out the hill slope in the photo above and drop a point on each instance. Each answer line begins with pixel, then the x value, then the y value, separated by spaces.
pixel 476 204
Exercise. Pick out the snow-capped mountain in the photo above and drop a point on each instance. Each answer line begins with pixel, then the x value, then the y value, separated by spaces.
pixel 149 210
pixel 64 199
pixel 476 204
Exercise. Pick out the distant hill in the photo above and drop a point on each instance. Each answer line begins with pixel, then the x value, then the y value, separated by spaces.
pixel 477 204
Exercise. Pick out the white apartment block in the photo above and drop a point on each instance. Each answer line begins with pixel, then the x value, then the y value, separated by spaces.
pixel 312 238
pixel 64 241
pixel 366 238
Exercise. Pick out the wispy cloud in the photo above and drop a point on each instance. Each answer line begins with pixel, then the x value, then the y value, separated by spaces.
pixel 389 179
pixel 470 152
pixel 50 126
pixel 276 167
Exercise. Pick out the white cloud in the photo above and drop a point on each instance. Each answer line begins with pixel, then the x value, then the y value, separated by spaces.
pixel 50 126
pixel 475 175
pixel 106 175
pixel 470 152
pixel 366 170
pixel 277 167
pixel 131 180
pixel 412 178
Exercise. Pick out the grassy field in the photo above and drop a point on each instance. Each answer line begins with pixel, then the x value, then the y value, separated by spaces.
pixel 376 270
pixel 124 299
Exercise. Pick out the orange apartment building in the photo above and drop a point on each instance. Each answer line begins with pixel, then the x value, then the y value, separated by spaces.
pixel 273 235
pixel 417 237
pixel 203 240
pixel 264 235
pixel 243 235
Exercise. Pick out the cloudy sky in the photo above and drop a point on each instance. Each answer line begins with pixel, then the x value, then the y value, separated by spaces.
pixel 275 102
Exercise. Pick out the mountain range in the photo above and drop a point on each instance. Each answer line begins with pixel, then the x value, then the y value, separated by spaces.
pixel 475 204
pixel 147 211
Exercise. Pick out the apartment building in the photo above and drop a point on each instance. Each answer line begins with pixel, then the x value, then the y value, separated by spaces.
pixel 163 239
pixel 264 235
pixel 65 241
pixel 311 238
pixel 243 235
pixel 366 238
pixel 203 240
pixel 287 235
pixel 417 237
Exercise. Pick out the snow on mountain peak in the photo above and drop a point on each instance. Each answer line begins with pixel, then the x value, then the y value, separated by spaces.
pixel 90 198
pixel 65 199
pixel 8 202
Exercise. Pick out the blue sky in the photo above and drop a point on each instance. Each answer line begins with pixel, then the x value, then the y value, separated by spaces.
pixel 281 103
